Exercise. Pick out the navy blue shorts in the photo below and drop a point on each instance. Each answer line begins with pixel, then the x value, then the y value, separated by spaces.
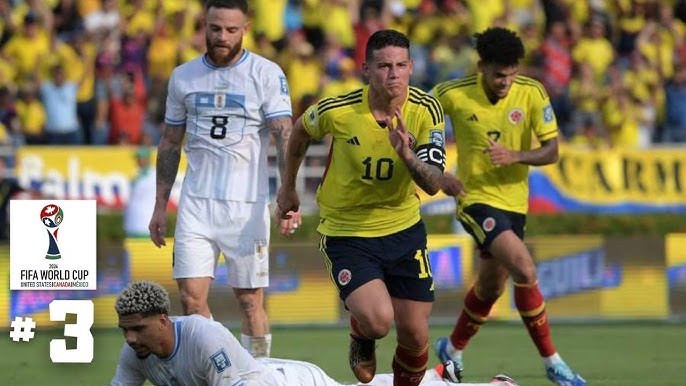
pixel 400 260
pixel 485 223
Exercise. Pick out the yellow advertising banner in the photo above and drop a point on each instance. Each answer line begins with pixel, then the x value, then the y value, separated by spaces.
pixel 621 174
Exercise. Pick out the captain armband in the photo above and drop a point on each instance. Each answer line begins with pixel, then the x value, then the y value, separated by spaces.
pixel 432 154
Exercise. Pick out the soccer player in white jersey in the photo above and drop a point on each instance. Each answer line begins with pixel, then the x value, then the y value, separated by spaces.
pixel 225 103
pixel 193 350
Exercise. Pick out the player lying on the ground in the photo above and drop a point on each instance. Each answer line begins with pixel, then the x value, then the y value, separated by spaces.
pixel 194 350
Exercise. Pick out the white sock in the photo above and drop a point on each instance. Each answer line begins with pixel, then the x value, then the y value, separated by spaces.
pixel 257 346
pixel 551 360
pixel 268 344
pixel 454 353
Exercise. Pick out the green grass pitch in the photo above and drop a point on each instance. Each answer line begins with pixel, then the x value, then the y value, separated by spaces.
pixel 626 354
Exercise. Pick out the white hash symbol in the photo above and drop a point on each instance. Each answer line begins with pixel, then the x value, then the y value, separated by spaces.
pixel 50 209
pixel 22 328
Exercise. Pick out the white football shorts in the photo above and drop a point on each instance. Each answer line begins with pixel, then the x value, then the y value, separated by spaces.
pixel 239 230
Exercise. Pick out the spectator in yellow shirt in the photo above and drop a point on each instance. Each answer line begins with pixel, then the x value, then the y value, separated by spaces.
pixel 586 95
pixel 269 20
pixel 25 49
pixel 594 49
pixel 304 73
pixel 347 81
pixel 31 115
pixel 621 116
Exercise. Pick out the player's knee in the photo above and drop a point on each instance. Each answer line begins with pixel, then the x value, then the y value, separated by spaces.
pixel 414 339
pixel 490 291
pixel 250 304
pixel 193 304
pixel 378 325
pixel 378 330
pixel 525 274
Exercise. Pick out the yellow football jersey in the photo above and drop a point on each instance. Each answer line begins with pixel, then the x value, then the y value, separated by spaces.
pixel 514 121
pixel 367 190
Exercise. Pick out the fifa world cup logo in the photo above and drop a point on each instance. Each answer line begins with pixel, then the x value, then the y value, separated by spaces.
pixel 52 217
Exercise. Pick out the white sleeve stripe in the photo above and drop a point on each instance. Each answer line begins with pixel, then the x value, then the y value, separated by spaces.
pixel 282 113
pixel 172 122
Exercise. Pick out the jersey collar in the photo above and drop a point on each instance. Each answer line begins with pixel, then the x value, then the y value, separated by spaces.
pixel 368 108
pixel 177 340
pixel 208 64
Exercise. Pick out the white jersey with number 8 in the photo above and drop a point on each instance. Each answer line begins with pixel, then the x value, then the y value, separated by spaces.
pixel 224 110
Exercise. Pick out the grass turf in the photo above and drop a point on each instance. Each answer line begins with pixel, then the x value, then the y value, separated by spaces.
pixel 605 354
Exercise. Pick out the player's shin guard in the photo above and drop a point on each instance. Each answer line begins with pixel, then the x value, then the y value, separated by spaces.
pixel 473 315
pixel 531 306
pixel 409 365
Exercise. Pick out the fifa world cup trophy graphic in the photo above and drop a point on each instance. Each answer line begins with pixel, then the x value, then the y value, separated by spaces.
pixel 52 217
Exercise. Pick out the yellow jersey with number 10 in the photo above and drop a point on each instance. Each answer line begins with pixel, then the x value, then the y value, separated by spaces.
pixel 367 190
pixel 513 121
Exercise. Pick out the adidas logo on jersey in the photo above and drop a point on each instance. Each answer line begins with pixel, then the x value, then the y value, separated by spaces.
pixel 473 118
pixel 353 141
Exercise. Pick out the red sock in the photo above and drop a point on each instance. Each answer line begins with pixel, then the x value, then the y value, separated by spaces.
pixel 473 315
pixel 409 365
pixel 356 329
pixel 531 306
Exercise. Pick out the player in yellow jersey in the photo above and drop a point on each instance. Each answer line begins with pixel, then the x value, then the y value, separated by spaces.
pixel 387 139
pixel 496 114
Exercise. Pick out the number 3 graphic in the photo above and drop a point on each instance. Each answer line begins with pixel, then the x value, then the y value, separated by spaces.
pixel 84 310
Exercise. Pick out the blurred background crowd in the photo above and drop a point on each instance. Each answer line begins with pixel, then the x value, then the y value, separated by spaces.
pixel 94 72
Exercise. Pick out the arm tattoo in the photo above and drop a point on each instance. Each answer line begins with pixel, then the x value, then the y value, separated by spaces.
pixel 168 157
pixel 428 177
pixel 281 128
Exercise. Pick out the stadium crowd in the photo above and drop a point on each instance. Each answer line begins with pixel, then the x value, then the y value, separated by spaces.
pixel 95 71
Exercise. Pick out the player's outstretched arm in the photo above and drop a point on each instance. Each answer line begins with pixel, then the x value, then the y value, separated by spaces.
pixel 287 197
pixel 281 129
pixel 168 157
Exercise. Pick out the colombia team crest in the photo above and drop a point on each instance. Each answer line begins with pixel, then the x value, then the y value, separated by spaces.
pixel 515 116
